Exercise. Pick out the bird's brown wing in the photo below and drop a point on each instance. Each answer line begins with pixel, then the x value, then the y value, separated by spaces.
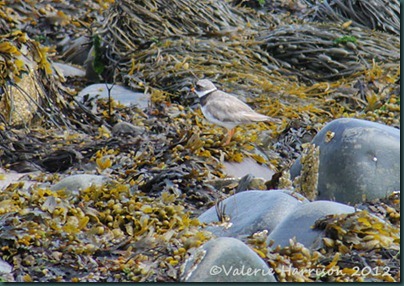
pixel 228 108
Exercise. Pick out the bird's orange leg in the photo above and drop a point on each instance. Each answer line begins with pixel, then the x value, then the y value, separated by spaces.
pixel 230 134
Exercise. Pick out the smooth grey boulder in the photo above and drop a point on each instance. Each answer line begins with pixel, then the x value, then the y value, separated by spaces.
pixel 358 159
pixel 252 211
pixel 9 178
pixel 225 259
pixel 75 183
pixel 68 70
pixel 119 93
pixel 299 223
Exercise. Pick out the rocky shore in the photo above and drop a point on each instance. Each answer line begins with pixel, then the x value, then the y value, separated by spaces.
pixel 109 171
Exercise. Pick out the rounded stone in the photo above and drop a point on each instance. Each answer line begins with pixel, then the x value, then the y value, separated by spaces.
pixel 225 259
pixel 119 93
pixel 79 182
pixel 298 224
pixel 68 70
pixel 11 177
pixel 359 160
pixel 126 128
pixel 251 211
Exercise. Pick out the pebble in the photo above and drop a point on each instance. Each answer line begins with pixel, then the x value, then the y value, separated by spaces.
pixel 122 94
pixel 75 183
pixel 225 259
pixel 126 128
pixel 10 177
pixel 69 70
pixel 6 272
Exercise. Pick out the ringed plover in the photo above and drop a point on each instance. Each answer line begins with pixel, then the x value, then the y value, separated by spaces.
pixel 224 109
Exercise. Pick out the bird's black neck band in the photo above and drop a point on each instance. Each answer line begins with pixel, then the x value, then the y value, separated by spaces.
pixel 204 99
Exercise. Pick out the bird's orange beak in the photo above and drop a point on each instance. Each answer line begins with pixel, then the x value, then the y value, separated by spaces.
pixel 193 89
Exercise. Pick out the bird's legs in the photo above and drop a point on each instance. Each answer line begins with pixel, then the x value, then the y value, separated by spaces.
pixel 230 134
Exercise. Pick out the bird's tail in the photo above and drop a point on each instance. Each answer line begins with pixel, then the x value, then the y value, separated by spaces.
pixel 256 117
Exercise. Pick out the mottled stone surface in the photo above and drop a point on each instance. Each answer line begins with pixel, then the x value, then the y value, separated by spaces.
pixel 119 93
pixel 299 223
pixel 225 259
pixel 251 211
pixel 79 182
pixel 126 128
pixel 358 159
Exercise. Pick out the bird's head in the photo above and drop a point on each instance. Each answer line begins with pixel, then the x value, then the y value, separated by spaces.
pixel 203 87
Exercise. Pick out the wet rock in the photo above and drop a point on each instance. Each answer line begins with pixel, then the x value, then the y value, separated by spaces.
pixel 126 128
pixel 119 93
pixel 225 260
pixel 358 159
pixel 8 178
pixel 79 182
pixel 68 70
pixel 247 166
pixel 5 267
pixel 5 271
pixel 299 222
pixel 251 211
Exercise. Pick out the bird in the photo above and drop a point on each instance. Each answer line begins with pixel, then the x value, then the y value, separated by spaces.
pixel 224 109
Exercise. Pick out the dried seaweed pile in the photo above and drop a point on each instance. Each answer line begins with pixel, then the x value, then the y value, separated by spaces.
pixel 113 234
pixel 382 15
pixel 48 21
pixel 285 9
pixel 160 19
pixel 146 49
pixel 173 66
pixel 326 51
pixel 165 44
pixel 173 152
pixel 136 228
